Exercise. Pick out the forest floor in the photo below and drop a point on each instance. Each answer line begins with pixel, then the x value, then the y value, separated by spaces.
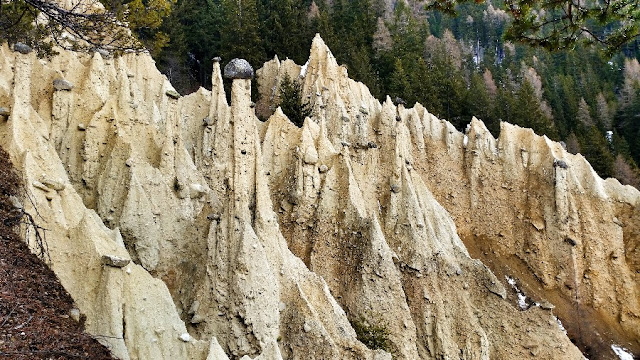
pixel 35 310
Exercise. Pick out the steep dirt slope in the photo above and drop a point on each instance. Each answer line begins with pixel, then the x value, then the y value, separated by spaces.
pixel 534 212
pixel 35 309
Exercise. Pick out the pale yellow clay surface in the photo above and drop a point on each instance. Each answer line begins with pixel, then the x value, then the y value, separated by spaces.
pixel 261 240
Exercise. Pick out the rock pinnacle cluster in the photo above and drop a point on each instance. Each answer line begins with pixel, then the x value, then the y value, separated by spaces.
pixel 186 228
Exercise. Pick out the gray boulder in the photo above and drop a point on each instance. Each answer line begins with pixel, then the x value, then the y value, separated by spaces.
pixel 172 94
pixel 62 85
pixel 104 53
pixel 114 261
pixel 560 163
pixel 238 69
pixel 207 121
pixel 22 48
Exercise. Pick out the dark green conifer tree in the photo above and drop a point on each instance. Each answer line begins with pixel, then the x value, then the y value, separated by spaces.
pixel 239 31
pixel 292 103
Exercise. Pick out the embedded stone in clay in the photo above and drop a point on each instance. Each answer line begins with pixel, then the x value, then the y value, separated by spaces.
pixel 62 85
pixel 22 48
pixel 114 261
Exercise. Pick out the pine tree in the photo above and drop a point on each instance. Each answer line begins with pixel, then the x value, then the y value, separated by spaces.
pixel 584 114
pixel 399 85
pixel 627 123
pixel 194 32
pixel 595 148
pixel 292 103
pixel 603 112
pixel 286 28
pixel 239 32
pixel 480 103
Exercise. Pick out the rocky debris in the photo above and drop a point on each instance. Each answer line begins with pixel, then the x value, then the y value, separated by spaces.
pixel 194 307
pixel 75 314
pixel 22 48
pixel 207 121
pixel 57 185
pixel 172 94
pixel 62 85
pixel 104 53
pixel 546 305
pixel 213 217
pixel 495 287
pixel 238 69
pixel 5 112
pixel 15 202
pixel 197 319
pixel 196 191
pixel 311 156
pixel 399 101
pixel 38 185
pixel 114 261
pixel 560 163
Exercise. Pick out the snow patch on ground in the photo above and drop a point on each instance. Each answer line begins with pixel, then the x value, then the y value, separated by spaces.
pixel 560 325
pixel 522 298
pixel 522 301
pixel 622 353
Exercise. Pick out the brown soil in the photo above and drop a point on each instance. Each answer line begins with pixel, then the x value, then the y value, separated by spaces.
pixel 34 307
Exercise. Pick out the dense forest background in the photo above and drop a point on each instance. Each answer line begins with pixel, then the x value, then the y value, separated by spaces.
pixel 456 66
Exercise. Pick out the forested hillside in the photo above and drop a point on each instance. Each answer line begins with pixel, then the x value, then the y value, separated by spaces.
pixel 456 66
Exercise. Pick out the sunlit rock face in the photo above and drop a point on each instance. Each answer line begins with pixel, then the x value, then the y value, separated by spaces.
pixel 261 239
pixel 520 203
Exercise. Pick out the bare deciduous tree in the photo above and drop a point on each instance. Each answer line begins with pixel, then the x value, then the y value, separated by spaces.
pixel 79 25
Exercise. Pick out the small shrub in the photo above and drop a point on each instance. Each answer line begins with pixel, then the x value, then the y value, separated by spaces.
pixel 373 336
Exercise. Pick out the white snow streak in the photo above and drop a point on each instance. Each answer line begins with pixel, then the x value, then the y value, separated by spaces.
pixel 303 70
pixel 622 353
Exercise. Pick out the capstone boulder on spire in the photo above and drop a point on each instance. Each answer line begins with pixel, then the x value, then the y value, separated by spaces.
pixel 238 69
